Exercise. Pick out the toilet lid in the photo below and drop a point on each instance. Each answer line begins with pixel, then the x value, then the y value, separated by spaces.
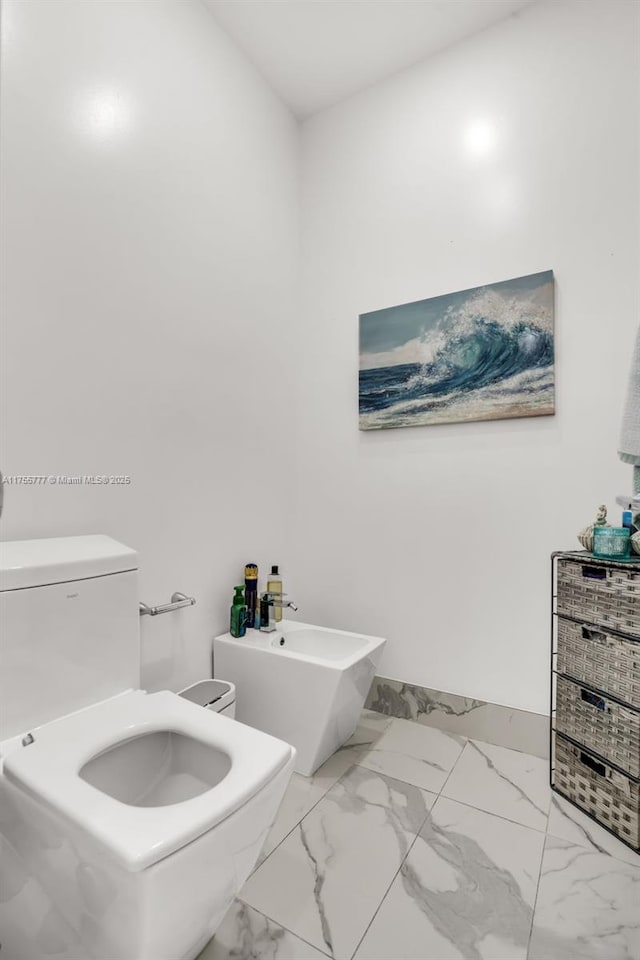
pixel 49 769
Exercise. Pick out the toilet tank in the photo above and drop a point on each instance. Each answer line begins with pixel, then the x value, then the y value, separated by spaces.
pixel 69 627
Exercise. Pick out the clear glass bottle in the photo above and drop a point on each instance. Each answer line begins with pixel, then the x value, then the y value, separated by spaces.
pixel 274 588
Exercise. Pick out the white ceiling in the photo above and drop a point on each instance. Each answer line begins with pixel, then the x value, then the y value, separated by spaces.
pixel 317 52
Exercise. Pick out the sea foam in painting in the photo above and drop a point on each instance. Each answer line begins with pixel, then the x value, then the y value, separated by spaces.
pixel 479 354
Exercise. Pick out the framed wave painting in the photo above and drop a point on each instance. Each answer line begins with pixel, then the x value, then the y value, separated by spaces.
pixel 480 354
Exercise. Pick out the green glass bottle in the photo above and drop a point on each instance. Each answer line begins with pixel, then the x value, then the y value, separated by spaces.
pixel 238 622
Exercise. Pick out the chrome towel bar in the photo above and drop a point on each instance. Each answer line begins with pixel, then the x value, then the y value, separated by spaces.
pixel 178 600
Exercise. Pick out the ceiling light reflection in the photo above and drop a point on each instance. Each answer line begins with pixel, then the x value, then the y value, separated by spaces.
pixel 480 138
pixel 104 114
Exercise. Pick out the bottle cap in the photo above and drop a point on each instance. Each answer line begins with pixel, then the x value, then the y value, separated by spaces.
pixel 251 571
pixel 274 570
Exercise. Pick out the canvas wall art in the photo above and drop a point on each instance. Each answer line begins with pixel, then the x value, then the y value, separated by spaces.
pixel 480 354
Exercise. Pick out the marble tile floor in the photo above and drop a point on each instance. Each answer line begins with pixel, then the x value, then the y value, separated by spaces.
pixel 489 722
pixel 412 843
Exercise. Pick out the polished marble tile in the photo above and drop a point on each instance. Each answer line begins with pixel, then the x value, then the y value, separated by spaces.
pixel 303 793
pixel 246 934
pixel 489 722
pixel 414 753
pixel 370 729
pixel 588 906
pixel 465 892
pixel 327 878
pixel 412 702
pixel 466 888
pixel 370 726
pixel 505 782
pixel 570 823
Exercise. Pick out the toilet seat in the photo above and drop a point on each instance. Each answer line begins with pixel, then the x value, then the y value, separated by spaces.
pixel 48 769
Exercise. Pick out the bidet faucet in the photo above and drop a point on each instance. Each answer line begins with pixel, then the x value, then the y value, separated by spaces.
pixel 267 602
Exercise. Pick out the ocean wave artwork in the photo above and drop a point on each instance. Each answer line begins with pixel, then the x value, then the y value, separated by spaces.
pixel 481 354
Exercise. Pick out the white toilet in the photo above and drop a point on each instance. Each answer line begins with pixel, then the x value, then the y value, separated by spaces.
pixel 128 821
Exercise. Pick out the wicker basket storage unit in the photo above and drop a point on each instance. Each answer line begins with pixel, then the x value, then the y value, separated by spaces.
pixel 595 690
pixel 600 593
pixel 609 728
pixel 606 794
pixel 601 659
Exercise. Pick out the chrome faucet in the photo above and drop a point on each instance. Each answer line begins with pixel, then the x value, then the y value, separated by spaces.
pixel 267 603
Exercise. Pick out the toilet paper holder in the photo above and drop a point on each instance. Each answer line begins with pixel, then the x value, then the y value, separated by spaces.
pixel 178 600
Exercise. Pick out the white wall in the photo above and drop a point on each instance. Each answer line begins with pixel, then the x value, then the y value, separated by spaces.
pixel 149 210
pixel 439 537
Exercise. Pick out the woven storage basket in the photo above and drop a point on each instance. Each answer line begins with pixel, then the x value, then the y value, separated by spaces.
pixel 610 729
pixel 600 659
pixel 609 796
pixel 602 593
